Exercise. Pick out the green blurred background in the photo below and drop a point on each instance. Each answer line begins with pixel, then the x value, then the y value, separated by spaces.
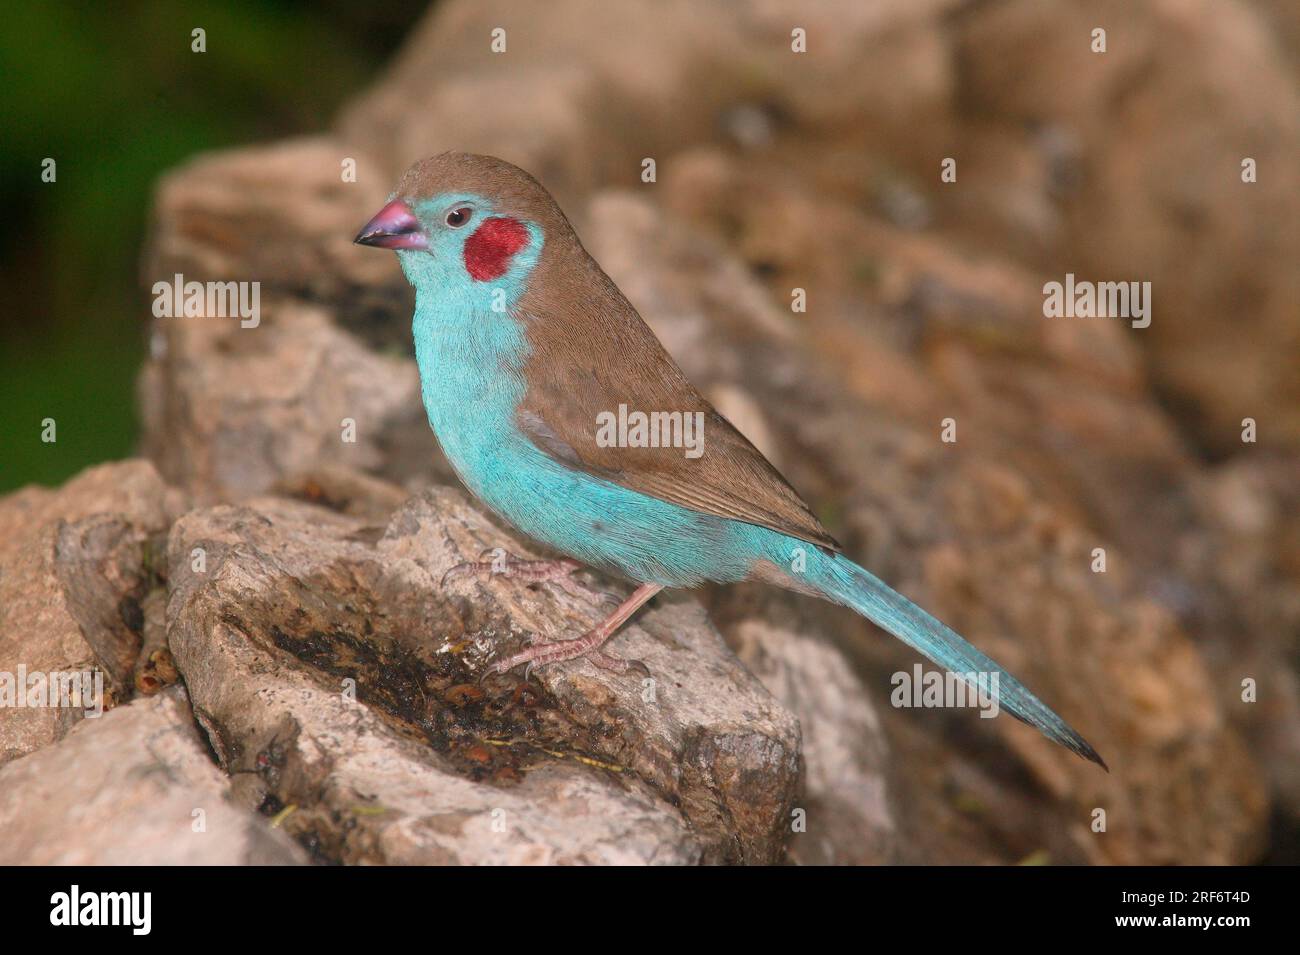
pixel 114 94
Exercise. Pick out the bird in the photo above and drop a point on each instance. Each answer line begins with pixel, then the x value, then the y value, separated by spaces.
pixel 529 360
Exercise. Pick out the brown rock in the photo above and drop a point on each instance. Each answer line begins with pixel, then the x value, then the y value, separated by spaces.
pixel 134 787
pixel 237 411
pixel 411 764
pixel 845 815
pixel 1158 194
pixel 231 410
pixel 75 565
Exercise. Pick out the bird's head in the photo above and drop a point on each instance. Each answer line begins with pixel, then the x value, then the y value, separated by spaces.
pixel 468 225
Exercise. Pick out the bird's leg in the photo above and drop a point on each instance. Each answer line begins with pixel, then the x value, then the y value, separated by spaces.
pixel 589 644
pixel 515 568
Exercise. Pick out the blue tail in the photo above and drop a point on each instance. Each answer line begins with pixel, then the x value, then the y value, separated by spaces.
pixel 846 583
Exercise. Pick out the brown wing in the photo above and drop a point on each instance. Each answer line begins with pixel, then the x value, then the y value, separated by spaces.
pixel 591 353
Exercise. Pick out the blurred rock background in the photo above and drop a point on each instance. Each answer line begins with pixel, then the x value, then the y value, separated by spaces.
pixel 775 171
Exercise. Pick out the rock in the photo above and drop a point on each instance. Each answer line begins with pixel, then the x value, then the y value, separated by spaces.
pixel 237 411
pixel 1247 565
pixel 847 814
pixel 276 215
pixel 232 410
pixel 276 606
pixel 75 565
pixel 560 105
pixel 1160 195
pixel 133 787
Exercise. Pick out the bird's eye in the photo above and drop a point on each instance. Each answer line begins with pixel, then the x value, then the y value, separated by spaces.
pixel 458 217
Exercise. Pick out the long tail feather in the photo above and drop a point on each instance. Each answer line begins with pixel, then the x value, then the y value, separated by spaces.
pixel 845 582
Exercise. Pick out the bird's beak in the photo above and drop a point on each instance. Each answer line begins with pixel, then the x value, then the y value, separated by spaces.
pixel 394 227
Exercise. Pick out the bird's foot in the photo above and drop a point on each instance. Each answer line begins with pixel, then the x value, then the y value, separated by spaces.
pixel 588 645
pixel 556 651
pixel 554 573
pixel 494 561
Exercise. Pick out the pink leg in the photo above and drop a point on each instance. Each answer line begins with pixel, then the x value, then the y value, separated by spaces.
pixel 589 644
pixel 513 568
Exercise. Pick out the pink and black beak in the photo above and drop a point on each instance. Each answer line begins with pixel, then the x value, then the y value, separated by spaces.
pixel 394 227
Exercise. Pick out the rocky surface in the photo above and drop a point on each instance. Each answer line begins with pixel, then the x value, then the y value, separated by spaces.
pixel 847 817
pixel 299 457
pixel 133 787
pixel 75 565
pixel 326 661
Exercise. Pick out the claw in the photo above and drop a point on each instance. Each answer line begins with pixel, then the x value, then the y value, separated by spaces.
pixel 589 644
pixel 452 572
pixel 617 664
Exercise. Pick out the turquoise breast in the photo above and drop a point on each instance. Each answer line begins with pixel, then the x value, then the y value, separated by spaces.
pixel 471 379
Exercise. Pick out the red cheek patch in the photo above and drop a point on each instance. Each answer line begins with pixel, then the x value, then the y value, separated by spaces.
pixel 489 250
